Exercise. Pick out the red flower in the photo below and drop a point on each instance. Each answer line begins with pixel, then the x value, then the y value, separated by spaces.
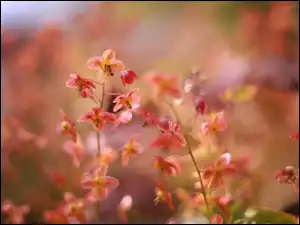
pixel 147 117
pixel 84 86
pixel 216 123
pixel 67 127
pixel 130 149
pixel 56 177
pixel 220 169
pixel 295 135
pixel 289 175
pixel 216 219
pixel 98 118
pixel 162 195
pixel 99 184
pixel 129 101
pixel 107 63
pixel 75 151
pixel 74 207
pixel 56 216
pixel 164 85
pixel 15 214
pixel 200 105
pixel 168 166
pixel 127 76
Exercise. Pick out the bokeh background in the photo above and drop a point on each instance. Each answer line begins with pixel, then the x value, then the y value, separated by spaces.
pixel 229 42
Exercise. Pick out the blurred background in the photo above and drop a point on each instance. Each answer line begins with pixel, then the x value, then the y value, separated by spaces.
pixel 231 43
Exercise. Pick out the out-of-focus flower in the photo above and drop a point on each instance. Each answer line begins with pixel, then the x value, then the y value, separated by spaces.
pixel 99 184
pixel 124 117
pixel 128 76
pixel 67 126
pixel 131 149
pixel 220 169
pixel 200 105
pixel 107 63
pixel 289 175
pixel 164 84
pixel 74 207
pixel 162 195
pixel 129 101
pixel 168 166
pixel 56 216
pixel 148 118
pixel 216 219
pixel 106 158
pixel 295 135
pixel 15 214
pixel 216 123
pixel 56 177
pixel 124 207
pixel 75 151
pixel 239 94
pixel 98 118
pixel 84 86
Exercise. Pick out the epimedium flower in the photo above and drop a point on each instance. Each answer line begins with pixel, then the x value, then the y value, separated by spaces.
pixel 216 123
pixel 75 152
pixel 99 184
pixel 289 175
pixel 128 76
pixel 67 126
pixel 129 101
pixel 200 105
pixel 131 149
pixel 14 214
pixel 164 84
pixel 98 118
pixel 168 166
pixel 221 168
pixel 124 207
pixel 74 207
pixel 147 117
pixel 107 63
pixel 56 216
pixel 84 86
pixel 162 195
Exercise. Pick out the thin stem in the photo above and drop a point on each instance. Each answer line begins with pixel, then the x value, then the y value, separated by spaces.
pixel 192 156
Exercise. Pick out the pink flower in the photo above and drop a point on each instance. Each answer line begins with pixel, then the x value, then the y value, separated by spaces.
pixel 107 63
pixel 200 105
pixel 15 214
pixel 74 207
pixel 130 149
pixel 98 118
pixel 56 177
pixel 163 84
pixel 84 86
pixel 56 216
pixel 75 151
pixel 67 126
pixel 129 101
pixel 99 184
pixel 127 76
pixel 162 195
pixel 289 175
pixel 220 169
pixel 124 117
pixel 124 207
pixel 216 123
pixel 168 166
pixel 148 118
pixel 216 219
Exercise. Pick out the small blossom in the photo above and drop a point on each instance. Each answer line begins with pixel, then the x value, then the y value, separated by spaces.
pixel 295 135
pixel 56 177
pixel 127 76
pixel 164 85
pixel 67 127
pixel 129 101
pixel 124 117
pixel 74 207
pixel 162 195
pixel 147 117
pixel 130 149
pixel 84 86
pixel 220 169
pixel 200 105
pixel 106 158
pixel 75 151
pixel 216 123
pixel 107 63
pixel 124 207
pixel 55 216
pixel 289 175
pixel 15 214
pixel 98 118
pixel 216 219
pixel 168 166
pixel 99 184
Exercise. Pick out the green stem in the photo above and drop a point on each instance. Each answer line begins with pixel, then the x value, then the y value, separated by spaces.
pixel 101 100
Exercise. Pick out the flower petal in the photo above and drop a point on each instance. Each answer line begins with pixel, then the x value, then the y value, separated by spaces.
pixel 216 219
pixel 108 55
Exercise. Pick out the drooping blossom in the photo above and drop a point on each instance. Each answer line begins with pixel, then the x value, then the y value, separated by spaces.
pixel 162 195
pixel 128 76
pixel 131 149
pixel 56 177
pixel 84 86
pixel 129 101
pixel 216 123
pixel 74 207
pixel 124 207
pixel 75 152
pixel 216 219
pixel 14 214
pixel 295 135
pixel 98 118
pixel 67 126
pixel 148 118
pixel 200 105
pixel 99 184
pixel 107 63
pixel 168 167
pixel 219 170
pixel 164 84
pixel 56 216
pixel 289 175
